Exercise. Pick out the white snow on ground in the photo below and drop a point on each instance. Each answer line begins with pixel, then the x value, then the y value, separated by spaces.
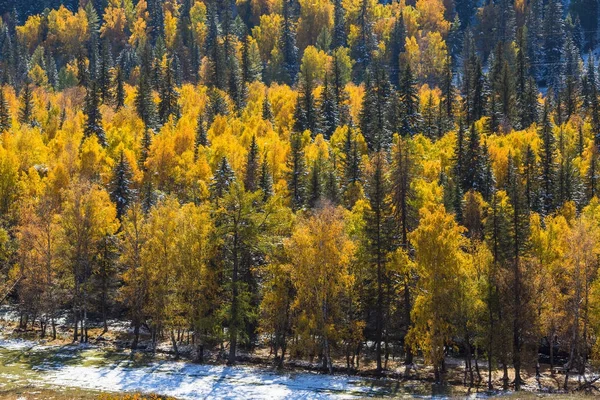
pixel 17 344
pixel 190 381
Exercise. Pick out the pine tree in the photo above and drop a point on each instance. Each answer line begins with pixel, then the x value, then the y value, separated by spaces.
pixel 238 91
pixel 287 44
pixel 52 72
pixel 547 162
pixel 144 102
pixel 379 231
pixel 396 48
pixel 169 97
pixel 201 136
pixel 408 105
pixel 120 188
pixel 222 180
pixel 363 48
pixel 352 172
pixel 315 188
pixel 328 110
pixel 119 88
pixel 251 63
pixel 214 51
pixel 553 35
pixel 217 105
pixel 375 111
pixel 26 106
pixel 338 82
pixel 5 122
pixel 474 169
pixel 448 92
pixel 331 184
pixel 570 77
pixel 252 166
pixel 93 117
pixel 104 67
pixel 267 110
pixel 339 25
pixel 297 176
pixel 266 180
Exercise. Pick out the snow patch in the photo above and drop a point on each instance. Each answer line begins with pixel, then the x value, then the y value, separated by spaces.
pixel 190 381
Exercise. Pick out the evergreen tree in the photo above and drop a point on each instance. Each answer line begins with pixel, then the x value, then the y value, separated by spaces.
pixel 315 189
pixel 365 44
pixel 571 75
pixel 266 180
pixel 222 180
pixel 328 110
pixel 119 89
pixel 531 176
pixel 338 83
pixel 238 91
pixel 352 172
pixel 201 136
pixel 396 47
pixel 287 45
pixel 104 79
pixel 26 106
pixel 474 169
pixel 267 110
pixel 120 187
pixel 331 184
pixel 448 92
pixel 217 105
pixel 169 97
pixel 251 63
pixel 408 113
pixel 252 167
pixel 214 51
pixel 375 111
pixel 339 25
pixel 548 163
pixel 5 122
pixel 93 117
pixel 297 176
pixel 379 232
pixel 144 103
pixel 553 35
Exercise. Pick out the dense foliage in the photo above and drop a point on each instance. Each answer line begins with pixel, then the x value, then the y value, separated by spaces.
pixel 412 177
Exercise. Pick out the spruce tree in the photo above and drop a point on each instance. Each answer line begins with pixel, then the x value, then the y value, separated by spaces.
pixel 26 106
pixel 238 91
pixel 351 162
pixel 287 44
pixel 251 63
pixel 396 48
pixel 222 180
pixel 119 88
pixel 266 180
pixel 169 96
pixel 144 102
pixel 339 25
pixel 201 135
pixel 104 67
pixel 4 112
pixel 120 187
pixel 267 110
pixel 214 51
pixel 548 163
pixel 328 110
pixel 217 105
pixel 366 42
pixel 375 111
pixel 297 173
pixel 553 43
pixel 315 188
pixel 379 230
pixel 408 104
pixel 93 117
pixel 474 168
pixel 252 166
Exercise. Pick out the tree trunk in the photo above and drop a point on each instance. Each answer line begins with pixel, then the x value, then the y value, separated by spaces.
pixel 136 335
pixel 174 343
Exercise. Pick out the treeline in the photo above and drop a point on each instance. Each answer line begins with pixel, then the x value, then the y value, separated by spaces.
pixel 319 175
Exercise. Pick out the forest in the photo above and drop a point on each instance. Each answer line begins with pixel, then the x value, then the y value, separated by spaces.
pixel 333 180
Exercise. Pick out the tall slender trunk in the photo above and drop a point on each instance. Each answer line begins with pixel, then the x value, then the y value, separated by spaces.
pixel 233 334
